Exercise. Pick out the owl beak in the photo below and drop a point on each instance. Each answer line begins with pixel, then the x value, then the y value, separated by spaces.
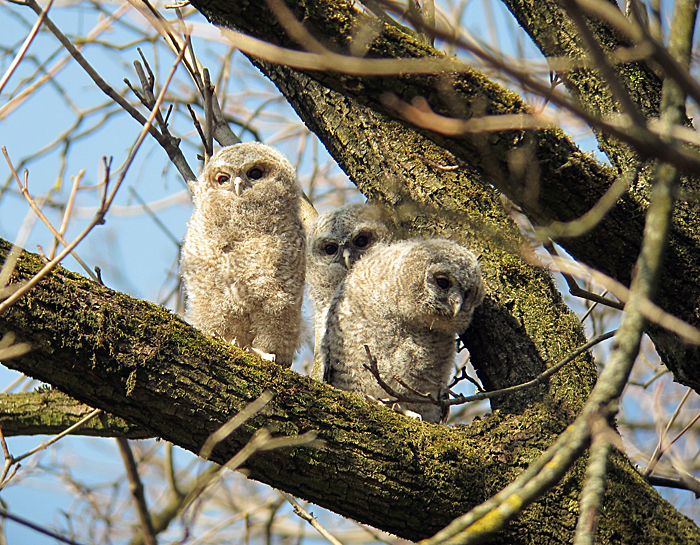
pixel 237 185
pixel 456 301
pixel 346 258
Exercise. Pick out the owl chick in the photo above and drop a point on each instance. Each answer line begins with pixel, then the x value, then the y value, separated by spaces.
pixel 336 240
pixel 243 257
pixel 406 301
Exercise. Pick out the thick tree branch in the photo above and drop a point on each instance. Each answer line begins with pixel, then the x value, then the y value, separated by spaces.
pixel 48 412
pixel 141 363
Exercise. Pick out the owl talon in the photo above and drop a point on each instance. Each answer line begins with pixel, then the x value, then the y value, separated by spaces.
pixel 406 412
pixel 394 406
pixel 263 355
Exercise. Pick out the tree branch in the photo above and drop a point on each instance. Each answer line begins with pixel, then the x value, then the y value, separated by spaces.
pixel 141 363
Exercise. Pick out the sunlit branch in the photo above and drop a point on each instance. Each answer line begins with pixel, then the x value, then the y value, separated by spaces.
pixel 25 46
pixel 137 491
pixel 173 152
pixel 107 200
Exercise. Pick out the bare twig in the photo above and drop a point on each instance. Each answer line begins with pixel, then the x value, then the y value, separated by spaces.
pixel 374 369
pixel 234 423
pixel 104 207
pixel 420 114
pixel 25 46
pixel 68 211
pixel 650 310
pixel 36 527
pixel 461 399
pixel 37 210
pixel 137 491
pixel 173 152
pixel 61 435
pixel 576 290
pixel 660 446
pixel 308 517
pixel 595 215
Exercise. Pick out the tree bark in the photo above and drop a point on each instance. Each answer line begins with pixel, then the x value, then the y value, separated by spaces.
pixel 49 412
pixel 145 365
pixel 567 182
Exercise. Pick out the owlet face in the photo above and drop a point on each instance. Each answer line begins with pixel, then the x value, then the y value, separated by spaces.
pixel 452 286
pixel 241 167
pixel 340 237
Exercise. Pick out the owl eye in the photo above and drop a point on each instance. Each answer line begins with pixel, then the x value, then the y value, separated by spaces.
pixel 361 241
pixel 255 173
pixel 222 179
pixel 330 249
pixel 443 282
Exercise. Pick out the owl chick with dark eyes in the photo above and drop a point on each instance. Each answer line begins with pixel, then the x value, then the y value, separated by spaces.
pixel 243 257
pixel 335 242
pixel 406 301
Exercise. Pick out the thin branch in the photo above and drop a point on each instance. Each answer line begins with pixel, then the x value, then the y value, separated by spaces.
pixel 308 517
pixel 234 423
pixel 582 225
pixel 104 207
pixel 36 527
pixel 61 435
pixel 37 210
pixel 660 447
pixel 461 399
pixel 25 46
pixel 137 491
pixel 67 212
pixel 578 291
pixel 173 152
pixel 600 63
pixel 649 310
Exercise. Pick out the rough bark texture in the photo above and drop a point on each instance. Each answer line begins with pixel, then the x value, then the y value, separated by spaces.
pixel 141 363
pixel 50 412
pixel 569 181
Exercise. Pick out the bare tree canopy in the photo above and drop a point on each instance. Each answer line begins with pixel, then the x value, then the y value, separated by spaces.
pixel 446 151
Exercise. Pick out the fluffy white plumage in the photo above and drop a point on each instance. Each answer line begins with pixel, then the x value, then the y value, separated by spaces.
pixel 243 256
pixel 406 301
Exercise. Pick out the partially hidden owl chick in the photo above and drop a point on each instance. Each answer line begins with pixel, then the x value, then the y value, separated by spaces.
pixel 406 301
pixel 335 242
pixel 243 257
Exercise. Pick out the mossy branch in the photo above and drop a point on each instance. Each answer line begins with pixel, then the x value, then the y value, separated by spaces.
pixel 141 363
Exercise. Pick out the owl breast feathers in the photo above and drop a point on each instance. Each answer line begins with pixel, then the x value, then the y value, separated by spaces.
pixel 243 256
pixel 335 242
pixel 406 301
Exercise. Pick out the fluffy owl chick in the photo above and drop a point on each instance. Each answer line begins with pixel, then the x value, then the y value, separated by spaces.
pixel 336 240
pixel 405 301
pixel 243 257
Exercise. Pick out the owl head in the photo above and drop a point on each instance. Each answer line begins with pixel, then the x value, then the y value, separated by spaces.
pixel 241 167
pixel 340 237
pixel 442 284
